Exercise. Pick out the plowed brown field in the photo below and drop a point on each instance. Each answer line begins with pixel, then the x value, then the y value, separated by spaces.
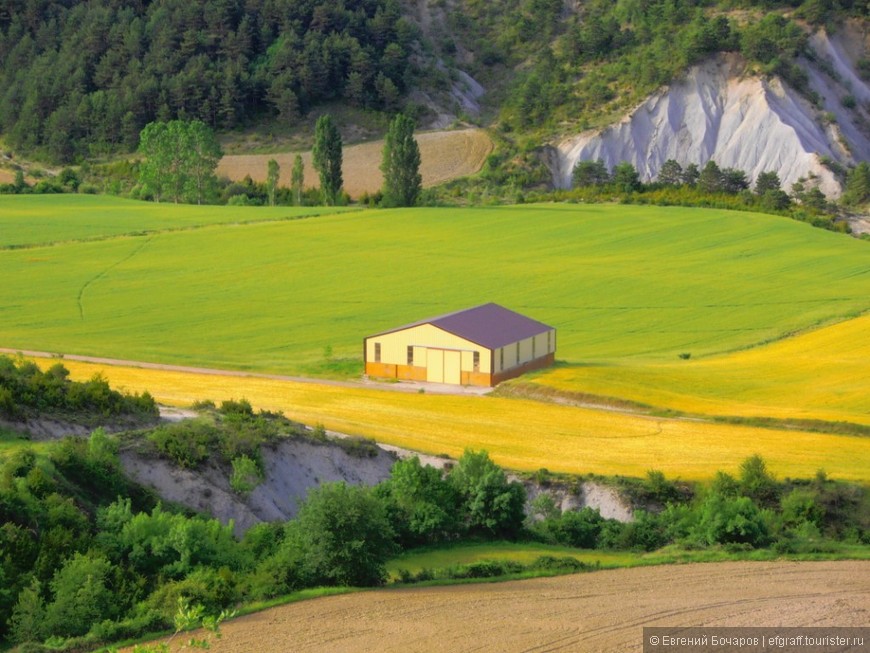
pixel 602 611
pixel 444 155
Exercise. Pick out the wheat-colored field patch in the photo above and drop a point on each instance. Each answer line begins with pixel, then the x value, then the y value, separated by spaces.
pixel 444 155
pixel 601 611
pixel 818 375
pixel 519 434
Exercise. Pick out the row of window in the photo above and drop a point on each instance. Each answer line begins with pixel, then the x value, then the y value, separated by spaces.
pixel 476 362
pixel 410 358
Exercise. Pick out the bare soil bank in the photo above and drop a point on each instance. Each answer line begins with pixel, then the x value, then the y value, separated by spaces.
pixel 601 611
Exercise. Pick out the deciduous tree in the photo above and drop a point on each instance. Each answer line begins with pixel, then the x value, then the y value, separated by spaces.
pixel 490 504
pixel 180 160
pixel 344 535
pixel 420 502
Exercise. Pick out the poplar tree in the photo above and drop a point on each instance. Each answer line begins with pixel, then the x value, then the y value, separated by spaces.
pixel 401 164
pixel 327 158
pixel 273 171
pixel 201 154
pixel 297 179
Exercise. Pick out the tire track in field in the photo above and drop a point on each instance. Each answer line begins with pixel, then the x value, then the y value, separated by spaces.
pixel 97 277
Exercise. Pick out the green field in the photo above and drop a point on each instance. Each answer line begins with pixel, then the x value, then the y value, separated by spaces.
pixel 26 221
pixel 527 552
pixel 618 282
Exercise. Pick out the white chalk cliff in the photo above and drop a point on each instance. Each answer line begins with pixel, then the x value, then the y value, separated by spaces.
pixel 755 124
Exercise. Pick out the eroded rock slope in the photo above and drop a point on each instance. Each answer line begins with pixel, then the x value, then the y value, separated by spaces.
pixel 719 111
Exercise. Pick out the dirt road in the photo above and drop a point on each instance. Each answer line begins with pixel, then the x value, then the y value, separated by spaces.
pixel 404 386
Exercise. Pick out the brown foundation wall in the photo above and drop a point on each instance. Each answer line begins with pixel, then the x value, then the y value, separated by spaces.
pixel 403 372
pixel 411 373
pixel 477 378
pixel 537 364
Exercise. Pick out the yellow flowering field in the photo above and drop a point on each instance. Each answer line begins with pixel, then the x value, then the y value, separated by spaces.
pixel 822 374
pixel 519 434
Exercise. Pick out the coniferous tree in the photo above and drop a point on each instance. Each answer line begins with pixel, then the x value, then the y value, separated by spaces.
pixel 858 185
pixel 690 174
pixel 401 164
pixel 734 180
pixel 710 179
pixel 625 177
pixel 327 157
pixel 671 173
pixel 590 173
pixel 767 181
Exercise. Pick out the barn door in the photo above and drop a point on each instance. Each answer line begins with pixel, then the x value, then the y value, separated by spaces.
pixel 452 367
pixel 435 366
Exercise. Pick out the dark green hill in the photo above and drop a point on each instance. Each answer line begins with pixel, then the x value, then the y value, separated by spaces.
pixel 80 79
pixel 83 78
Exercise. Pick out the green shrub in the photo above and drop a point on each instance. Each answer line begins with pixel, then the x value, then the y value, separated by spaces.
pixel 246 475
pixel 484 569
pixel 359 447
pixel 732 520
pixel 577 528
pixel 214 589
pixel 187 443
pixel 560 564
pixel 757 483
pixel 237 407
pixel 800 506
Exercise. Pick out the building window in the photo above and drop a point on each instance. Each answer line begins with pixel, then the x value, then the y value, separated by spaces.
pixel 533 347
pixel 518 353
pixel 477 361
pixel 410 354
pixel 501 359
pixel 549 347
pixel 377 352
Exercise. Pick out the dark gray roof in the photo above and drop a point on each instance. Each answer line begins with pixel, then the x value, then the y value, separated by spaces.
pixel 489 325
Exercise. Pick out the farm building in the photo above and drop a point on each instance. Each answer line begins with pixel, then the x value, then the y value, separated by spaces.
pixel 482 346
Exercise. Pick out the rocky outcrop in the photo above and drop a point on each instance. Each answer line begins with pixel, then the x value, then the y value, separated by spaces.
pixel 294 466
pixel 719 112
pixel 291 467
pixel 588 494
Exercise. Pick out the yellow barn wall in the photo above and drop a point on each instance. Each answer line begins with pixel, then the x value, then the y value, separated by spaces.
pixel 437 353
pixel 394 347
pixel 524 351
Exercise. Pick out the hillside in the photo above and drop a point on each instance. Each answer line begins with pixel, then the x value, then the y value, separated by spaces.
pixel 679 309
pixel 304 285
pixel 724 111
pixel 81 79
